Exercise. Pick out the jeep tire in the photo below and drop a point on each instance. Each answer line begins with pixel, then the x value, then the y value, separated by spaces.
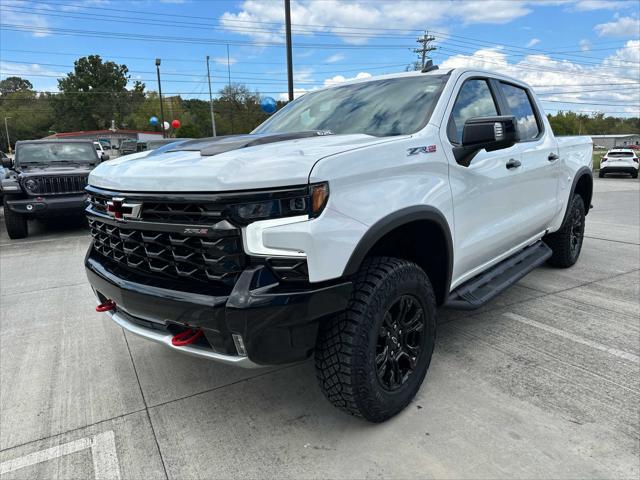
pixel 566 243
pixel 15 223
pixel 372 358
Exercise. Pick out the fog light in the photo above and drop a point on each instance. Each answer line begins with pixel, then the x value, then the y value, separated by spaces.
pixel 239 343
pixel 29 207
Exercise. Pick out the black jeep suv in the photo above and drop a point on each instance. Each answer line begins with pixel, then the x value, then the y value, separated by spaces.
pixel 46 178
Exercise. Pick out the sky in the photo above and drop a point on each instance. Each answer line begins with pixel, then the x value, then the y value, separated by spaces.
pixel 580 55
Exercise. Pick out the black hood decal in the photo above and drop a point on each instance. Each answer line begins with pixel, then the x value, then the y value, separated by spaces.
pixel 216 145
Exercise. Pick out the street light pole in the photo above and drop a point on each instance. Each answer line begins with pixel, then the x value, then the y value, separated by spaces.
pixel 6 129
pixel 213 119
pixel 160 94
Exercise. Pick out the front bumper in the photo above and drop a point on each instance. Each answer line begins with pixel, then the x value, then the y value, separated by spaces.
pixel 52 204
pixel 278 324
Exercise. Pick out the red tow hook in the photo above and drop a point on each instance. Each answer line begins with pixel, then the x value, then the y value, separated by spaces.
pixel 107 306
pixel 186 338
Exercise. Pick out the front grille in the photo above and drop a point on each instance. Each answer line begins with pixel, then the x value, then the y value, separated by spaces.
pixel 217 259
pixel 59 184
pixel 189 213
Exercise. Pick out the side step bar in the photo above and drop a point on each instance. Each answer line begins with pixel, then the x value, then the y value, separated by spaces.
pixel 480 289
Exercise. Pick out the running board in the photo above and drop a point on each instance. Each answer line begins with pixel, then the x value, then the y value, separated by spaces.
pixel 480 289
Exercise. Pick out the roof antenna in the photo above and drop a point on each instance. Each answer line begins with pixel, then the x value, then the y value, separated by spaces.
pixel 429 66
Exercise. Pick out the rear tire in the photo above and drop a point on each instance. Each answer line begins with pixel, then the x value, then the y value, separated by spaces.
pixel 15 224
pixel 566 243
pixel 600 174
pixel 372 358
pixel 634 175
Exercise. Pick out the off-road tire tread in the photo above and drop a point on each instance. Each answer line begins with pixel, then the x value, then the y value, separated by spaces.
pixel 559 242
pixel 340 359
pixel 15 224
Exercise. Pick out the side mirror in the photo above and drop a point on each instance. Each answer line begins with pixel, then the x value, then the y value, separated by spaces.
pixel 7 162
pixel 488 133
pixel 104 157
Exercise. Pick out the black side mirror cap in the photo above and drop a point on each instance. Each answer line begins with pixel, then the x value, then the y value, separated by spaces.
pixel 488 133
pixel 7 162
pixel 104 157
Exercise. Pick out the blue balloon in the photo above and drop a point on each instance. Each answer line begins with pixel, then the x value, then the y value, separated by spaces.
pixel 268 105
pixel 153 120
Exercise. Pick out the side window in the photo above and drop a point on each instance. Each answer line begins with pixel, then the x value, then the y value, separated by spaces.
pixel 521 108
pixel 474 100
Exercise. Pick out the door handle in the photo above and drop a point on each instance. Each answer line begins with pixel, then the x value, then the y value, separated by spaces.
pixel 513 163
pixel 552 157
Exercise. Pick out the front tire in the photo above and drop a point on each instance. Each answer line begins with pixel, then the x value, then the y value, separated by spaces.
pixel 566 243
pixel 15 224
pixel 372 358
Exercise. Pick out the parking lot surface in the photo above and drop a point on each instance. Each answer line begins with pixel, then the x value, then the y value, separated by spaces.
pixel 542 382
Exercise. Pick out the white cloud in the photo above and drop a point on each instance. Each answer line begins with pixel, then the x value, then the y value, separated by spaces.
pixel 26 69
pixel 532 42
pixel 31 20
pixel 339 17
pixel 585 45
pixel 541 70
pixel 223 60
pixel 588 5
pixel 336 57
pixel 621 27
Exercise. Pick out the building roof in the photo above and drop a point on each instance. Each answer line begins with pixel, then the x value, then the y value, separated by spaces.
pixel 617 135
pixel 98 132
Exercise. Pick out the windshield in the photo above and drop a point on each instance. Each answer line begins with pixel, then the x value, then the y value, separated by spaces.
pixel 48 153
pixel 394 106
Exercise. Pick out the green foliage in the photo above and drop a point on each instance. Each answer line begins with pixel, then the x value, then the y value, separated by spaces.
pixel 94 94
pixel 189 131
pixel 571 123
pixel 14 84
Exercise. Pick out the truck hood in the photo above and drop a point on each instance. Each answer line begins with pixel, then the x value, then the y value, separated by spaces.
pixel 231 163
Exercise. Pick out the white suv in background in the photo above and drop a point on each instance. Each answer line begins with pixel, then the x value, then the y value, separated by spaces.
pixel 619 160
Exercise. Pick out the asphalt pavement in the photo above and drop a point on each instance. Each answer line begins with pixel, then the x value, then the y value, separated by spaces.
pixel 544 382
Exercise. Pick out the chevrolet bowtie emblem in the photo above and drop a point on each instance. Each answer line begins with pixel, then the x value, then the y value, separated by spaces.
pixel 121 210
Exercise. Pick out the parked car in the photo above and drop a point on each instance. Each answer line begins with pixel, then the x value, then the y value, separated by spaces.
pixel 154 144
pixel 128 146
pixel 619 160
pixel 46 178
pixel 338 227
pixel 102 154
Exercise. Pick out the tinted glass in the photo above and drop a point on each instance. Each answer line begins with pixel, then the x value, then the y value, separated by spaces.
pixel 521 108
pixel 474 100
pixel 46 153
pixel 394 106
pixel 620 154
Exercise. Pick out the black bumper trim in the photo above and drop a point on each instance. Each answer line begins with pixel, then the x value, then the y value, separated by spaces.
pixel 278 324
pixel 48 204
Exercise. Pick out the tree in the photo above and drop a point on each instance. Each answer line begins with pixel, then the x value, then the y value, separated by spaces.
pixel 94 94
pixel 15 84
pixel 189 131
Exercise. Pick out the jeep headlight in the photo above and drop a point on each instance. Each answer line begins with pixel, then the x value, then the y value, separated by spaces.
pixel 31 184
pixel 310 201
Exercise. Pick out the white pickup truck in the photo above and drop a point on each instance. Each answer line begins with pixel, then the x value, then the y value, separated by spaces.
pixel 339 226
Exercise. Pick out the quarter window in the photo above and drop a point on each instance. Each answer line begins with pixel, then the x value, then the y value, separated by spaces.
pixel 474 100
pixel 521 108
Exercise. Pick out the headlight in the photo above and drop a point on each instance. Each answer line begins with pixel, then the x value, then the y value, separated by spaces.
pixel 31 184
pixel 310 201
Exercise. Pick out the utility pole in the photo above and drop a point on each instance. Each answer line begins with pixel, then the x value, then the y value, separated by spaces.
pixel 6 129
pixel 160 94
pixel 287 22
pixel 232 103
pixel 213 119
pixel 425 47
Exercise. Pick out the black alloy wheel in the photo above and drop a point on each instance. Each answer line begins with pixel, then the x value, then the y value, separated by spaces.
pixel 399 342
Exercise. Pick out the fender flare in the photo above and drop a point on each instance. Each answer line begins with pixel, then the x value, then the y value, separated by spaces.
pixel 582 171
pixel 397 219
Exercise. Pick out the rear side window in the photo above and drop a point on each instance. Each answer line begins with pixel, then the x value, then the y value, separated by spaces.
pixel 520 106
pixel 474 100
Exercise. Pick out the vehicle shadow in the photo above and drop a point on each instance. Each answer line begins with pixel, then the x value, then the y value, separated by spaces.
pixel 54 227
